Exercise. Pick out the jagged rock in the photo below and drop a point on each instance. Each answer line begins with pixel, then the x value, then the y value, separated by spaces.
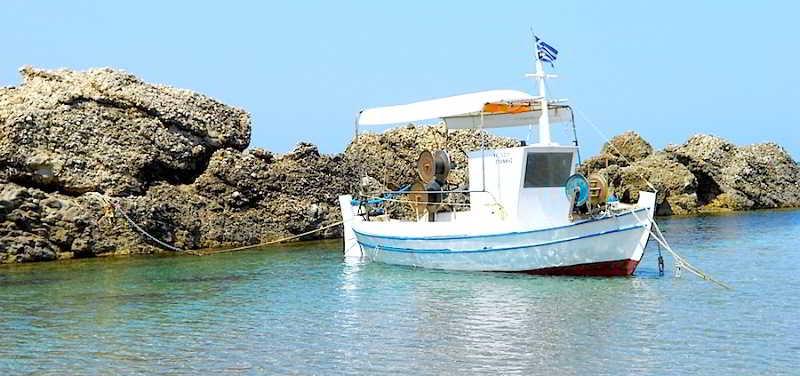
pixel 704 156
pixel 620 150
pixel 37 225
pixel 237 179
pixel 273 196
pixel 304 173
pixel 765 174
pixel 750 177
pixel 630 145
pixel 105 130
pixel 725 177
pixel 675 183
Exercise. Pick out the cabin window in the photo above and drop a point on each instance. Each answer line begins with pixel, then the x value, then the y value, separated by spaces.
pixel 547 169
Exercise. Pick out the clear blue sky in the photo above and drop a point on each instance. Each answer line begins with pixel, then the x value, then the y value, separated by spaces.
pixel 303 69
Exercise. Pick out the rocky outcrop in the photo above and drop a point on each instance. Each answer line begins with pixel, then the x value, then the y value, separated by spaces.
pixel 172 159
pixel 107 131
pixel 705 174
pixel 621 150
pixel 177 163
pixel 757 176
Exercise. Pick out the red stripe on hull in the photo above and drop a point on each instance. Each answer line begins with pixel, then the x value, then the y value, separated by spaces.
pixel 619 268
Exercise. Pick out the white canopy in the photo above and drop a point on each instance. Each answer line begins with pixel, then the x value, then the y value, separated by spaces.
pixel 438 108
pixel 462 111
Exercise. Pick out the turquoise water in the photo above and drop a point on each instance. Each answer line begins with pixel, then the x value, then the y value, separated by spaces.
pixel 301 310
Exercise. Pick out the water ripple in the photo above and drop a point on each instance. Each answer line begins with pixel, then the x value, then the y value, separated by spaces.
pixel 302 310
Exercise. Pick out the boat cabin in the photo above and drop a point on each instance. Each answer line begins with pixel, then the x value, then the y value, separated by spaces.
pixel 523 184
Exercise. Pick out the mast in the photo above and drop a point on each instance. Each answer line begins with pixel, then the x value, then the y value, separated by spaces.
pixel 544 118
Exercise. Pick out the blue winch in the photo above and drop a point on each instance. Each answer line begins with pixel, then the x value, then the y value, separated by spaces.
pixel 577 188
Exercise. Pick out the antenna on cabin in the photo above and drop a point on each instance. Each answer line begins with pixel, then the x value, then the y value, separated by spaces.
pixel 544 53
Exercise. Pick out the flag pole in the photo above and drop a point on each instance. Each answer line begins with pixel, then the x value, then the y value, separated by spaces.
pixel 540 76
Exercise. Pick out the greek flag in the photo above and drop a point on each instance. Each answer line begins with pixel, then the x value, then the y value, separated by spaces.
pixel 546 52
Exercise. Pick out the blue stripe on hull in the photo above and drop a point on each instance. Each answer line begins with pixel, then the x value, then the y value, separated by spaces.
pixel 411 250
pixel 451 237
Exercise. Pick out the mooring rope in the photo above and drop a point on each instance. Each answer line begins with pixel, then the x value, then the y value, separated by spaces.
pixel 133 224
pixel 212 251
pixel 680 261
pixel 145 233
pixel 691 268
pixel 204 251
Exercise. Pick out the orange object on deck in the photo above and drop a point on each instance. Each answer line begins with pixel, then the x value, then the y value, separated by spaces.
pixel 507 108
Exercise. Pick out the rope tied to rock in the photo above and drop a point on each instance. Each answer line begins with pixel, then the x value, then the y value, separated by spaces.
pixel 212 251
pixel 111 207
pixel 115 207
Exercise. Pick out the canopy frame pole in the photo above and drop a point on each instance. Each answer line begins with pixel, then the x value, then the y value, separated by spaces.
pixel 483 154
pixel 361 172
pixel 575 134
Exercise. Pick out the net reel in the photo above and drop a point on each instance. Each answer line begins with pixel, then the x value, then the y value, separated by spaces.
pixel 433 168
pixel 598 190
pixel 434 165
pixel 577 190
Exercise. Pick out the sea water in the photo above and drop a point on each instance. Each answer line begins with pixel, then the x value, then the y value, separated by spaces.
pixel 301 309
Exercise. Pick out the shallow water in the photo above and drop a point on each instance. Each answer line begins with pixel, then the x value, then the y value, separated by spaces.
pixel 302 310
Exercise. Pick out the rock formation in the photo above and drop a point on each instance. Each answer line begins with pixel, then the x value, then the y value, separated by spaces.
pixel 174 161
pixel 705 174
pixel 107 131
pixel 177 163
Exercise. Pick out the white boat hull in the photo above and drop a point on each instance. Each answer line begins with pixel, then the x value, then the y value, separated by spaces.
pixel 611 246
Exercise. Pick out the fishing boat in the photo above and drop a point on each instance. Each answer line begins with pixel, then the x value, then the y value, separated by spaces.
pixel 528 209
